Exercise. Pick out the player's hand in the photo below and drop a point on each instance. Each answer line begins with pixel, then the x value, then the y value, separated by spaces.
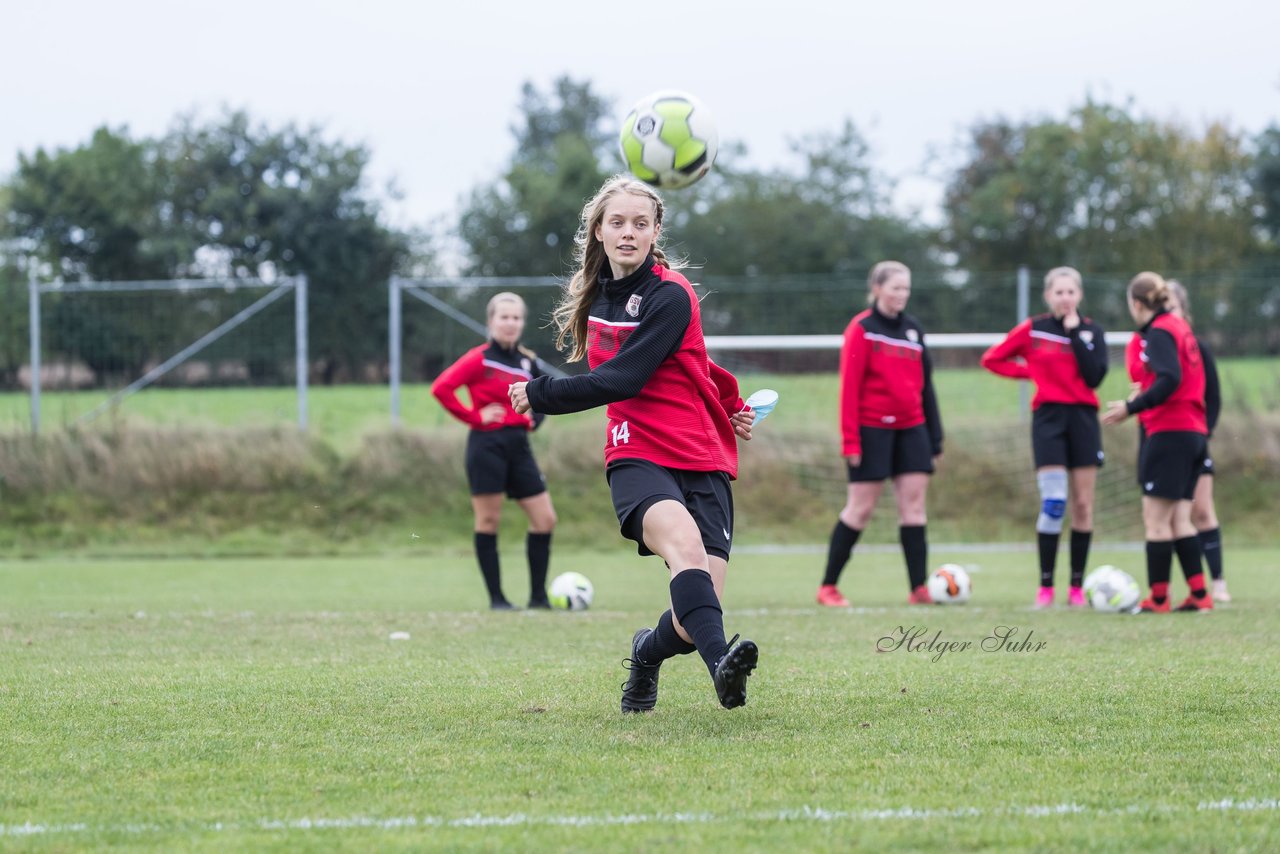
pixel 742 422
pixel 519 399
pixel 1135 389
pixel 1117 411
pixel 854 460
pixel 1070 320
pixel 492 413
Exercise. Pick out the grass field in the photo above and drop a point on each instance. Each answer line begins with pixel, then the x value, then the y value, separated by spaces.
pixel 224 705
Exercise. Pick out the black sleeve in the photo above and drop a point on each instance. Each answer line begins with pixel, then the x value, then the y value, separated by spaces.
pixel 1212 387
pixel 932 417
pixel 536 371
pixel 1091 355
pixel 663 323
pixel 1162 358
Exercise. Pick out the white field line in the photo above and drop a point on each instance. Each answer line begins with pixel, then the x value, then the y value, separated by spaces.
pixel 800 814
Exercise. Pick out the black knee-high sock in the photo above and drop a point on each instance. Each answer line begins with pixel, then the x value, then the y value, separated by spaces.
pixel 664 642
pixel 1211 546
pixel 1048 548
pixel 1159 567
pixel 1188 551
pixel 843 539
pixel 537 547
pixel 1079 555
pixel 695 604
pixel 487 555
pixel 915 548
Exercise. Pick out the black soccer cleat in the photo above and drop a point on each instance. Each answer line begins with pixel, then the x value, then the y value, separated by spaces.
pixel 640 691
pixel 501 605
pixel 539 605
pixel 732 670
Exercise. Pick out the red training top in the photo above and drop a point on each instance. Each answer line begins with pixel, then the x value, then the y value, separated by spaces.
pixel 1164 359
pixel 1066 366
pixel 885 379
pixel 486 372
pixel 667 402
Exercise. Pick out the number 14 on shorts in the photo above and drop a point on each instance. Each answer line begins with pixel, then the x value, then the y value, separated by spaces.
pixel 621 434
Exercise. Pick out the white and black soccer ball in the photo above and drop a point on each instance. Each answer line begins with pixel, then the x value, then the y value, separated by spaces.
pixel 1111 590
pixel 669 139
pixel 571 591
pixel 950 585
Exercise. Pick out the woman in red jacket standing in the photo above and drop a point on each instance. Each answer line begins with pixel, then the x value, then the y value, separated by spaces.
pixel 891 428
pixel 499 459
pixel 1065 355
pixel 1165 363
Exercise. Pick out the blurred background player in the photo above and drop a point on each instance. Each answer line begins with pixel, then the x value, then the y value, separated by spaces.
pixel 1164 362
pixel 890 427
pixel 1065 355
pixel 674 417
pixel 499 459
pixel 1204 515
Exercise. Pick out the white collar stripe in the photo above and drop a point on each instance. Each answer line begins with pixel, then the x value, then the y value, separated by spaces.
pixel 1036 333
pixel 897 342
pixel 500 366
pixel 593 319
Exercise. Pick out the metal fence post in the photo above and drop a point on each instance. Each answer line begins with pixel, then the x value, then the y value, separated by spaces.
pixel 394 345
pixel 300 334
pixel 33 309
pixel 1024 310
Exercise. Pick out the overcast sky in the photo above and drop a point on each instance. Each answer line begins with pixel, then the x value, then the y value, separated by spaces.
pixel 432 87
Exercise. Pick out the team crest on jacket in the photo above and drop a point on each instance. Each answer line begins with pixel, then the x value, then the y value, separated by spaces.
pixel 913 336
pixel 633 305
pixel 1086 335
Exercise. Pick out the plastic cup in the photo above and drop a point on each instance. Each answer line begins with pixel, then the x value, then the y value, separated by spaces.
pixel 762 403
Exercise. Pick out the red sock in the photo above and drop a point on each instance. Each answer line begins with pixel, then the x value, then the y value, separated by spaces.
pixel 1160 591
pixel 1196 583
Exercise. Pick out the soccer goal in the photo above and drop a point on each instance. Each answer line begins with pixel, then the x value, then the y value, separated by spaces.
pixel 100 343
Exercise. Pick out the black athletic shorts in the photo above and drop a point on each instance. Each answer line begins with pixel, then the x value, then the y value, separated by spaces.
pixel 636 485
pixel 502 461
pixel 889 453
pixel 1169 464
pixel 1066 434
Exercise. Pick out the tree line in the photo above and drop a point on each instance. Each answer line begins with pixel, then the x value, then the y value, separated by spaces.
pixel 1103 188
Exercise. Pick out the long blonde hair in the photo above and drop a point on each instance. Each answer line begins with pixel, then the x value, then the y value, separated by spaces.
pixel 1069 272
pixel 492 309
pixel 570 314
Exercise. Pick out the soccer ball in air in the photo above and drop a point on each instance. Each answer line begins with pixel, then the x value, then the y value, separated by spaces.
pixel 669 139
pixel 1112 590
pixel 950 584
pixel 571 591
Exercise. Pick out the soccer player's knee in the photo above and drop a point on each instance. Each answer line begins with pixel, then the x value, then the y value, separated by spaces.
pixel 1053 501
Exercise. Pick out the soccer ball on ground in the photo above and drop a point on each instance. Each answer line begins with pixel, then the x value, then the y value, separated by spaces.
pixel 1112 590
pixel 950 585
pixel 571 591
pixel 669 139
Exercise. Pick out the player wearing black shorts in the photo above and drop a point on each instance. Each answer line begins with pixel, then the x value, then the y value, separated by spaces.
pixel 499 460
pixel 1164 361
pixel 890 426
pixel 674 418
pixel 1204 512
pixel 1065 355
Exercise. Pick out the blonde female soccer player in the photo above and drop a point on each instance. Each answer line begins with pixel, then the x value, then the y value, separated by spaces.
pixel 499 459
pixel 891 428
pixel 1065 354
pixel 674 418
